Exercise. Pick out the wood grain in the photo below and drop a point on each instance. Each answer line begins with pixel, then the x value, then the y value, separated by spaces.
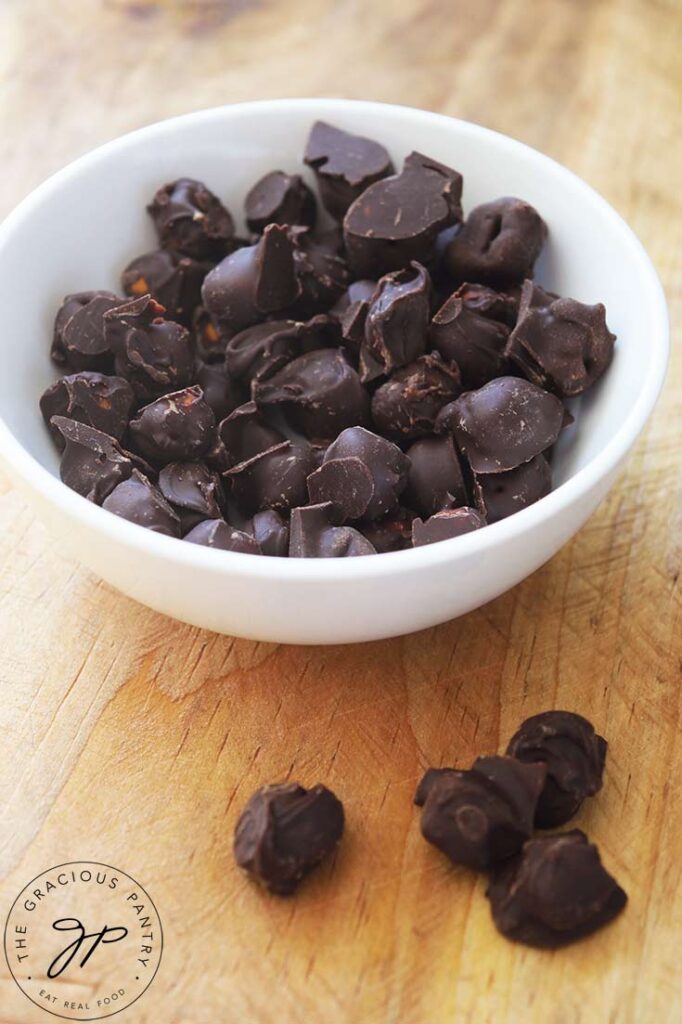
pixel 134 740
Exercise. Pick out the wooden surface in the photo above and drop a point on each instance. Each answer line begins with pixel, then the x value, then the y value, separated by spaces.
pixel 131 739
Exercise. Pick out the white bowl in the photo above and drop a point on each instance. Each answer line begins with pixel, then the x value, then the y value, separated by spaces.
pixel 85 223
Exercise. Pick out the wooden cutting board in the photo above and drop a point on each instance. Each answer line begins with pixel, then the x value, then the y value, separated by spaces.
pixel 134 740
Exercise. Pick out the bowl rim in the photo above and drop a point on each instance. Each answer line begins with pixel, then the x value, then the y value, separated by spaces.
pixel 33 474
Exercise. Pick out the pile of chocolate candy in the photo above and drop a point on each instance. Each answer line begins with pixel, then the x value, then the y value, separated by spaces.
pixel 392 378
pixel 545 891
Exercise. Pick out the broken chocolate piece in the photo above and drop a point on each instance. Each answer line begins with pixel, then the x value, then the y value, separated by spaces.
pixel 386 464
pixel 78 342
pixel 344 165
pixel 253 282
pixel 193 491
pixel 434 479
pixel 319 392
pixel 273 479
pixel 105 403
pixel 191 220
pixel 344 483
pixel 498 243
pixel 174 281
pixel 92 462
pixel 396 322
pixel 285 831
pixel 499 495
pixel 216 533
pixel 574 755
pixel 484 815
pixel 504 423
pixel 262 349
pixel 138 501
pixel 321 274
pixel 479 298
pixel 179 427
pixel 279 198
pixel 271 533
pixel 398 219
pixel 245 433
pixel 406 406
pixel 153 354
pixel 312 534
pixel 564 346
pixel 476 343
pixel 555 892
pixel 445 525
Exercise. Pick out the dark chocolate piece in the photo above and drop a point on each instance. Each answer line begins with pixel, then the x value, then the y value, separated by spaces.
pixel 396 322
pixel 138 501
pixel 312 534
pixel 105 403
pixel 279 198
pixel 331 240
pixel 434 479
pixel 221 392
pixel 172 280
pixel 406 406
pixel 504 423
pixel 320 331
pixel 189 219
pixel 452 522
pixel 273 479
pixel 351 312
pixel 344 483
pixel 216 533
pixel 271 533
pixel 193 490
pixel 440 275
pixel 209 342
pixel 386 464
pixel 319 392
pixel 564 346
pixel 153 354
pixel 176 428
pixel 555 892
pixel 397 220
pixel 574 755
pixel 484 815
pixel 92 462
pixel 285 831
pixel 473 341
pixel 499 495
pixel 358 291
pixel 253 282
pixel 322 275
pixel 530 295
pixel 78 341
pixel 262 349
pixel 344 165
pixel 479 298
pixel 429 779
pixel 498 243
pixel 391 533
pixel 245 433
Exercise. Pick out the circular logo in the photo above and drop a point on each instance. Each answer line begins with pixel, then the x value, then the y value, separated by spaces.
pixel 83 940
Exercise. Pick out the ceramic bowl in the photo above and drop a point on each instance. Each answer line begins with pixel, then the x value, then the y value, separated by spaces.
pixel 79 228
